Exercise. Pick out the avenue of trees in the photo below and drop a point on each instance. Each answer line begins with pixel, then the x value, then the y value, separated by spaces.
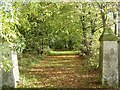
pixel 38 26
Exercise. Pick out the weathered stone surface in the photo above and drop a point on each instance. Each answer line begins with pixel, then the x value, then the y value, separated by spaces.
pixel 119 39
pixel 10 78
pixel 15 66
pixel 110 63
pixel 109 58
pixel 118 19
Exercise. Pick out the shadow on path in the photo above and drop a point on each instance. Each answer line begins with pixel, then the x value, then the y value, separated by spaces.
pixel 66 71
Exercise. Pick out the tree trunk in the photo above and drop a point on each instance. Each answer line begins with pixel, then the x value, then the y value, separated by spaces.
pixel 85 42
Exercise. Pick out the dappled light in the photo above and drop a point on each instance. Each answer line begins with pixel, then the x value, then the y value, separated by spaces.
pixel 59 45
pixel 67 71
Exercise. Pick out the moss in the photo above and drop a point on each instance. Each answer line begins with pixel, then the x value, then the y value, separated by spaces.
pixel 108 35
pixel 6 87
pixel 108 38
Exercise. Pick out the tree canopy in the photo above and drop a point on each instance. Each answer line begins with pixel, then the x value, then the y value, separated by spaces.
pixel 61 25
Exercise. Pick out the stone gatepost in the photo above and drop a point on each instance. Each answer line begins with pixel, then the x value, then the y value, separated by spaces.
pixel 118 23
pixel 11 77
pixel 108 64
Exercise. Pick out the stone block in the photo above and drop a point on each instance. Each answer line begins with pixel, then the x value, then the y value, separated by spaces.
pixel 10 78
pixel 110 63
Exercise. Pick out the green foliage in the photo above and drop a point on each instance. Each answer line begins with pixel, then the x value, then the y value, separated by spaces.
pixel 32 25
pixel 36 26
pixel 7 64
pixel 10 38
pixel 9 32
pixel 94 56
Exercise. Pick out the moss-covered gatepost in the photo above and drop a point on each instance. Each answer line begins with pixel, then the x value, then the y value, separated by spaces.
pixel 108 59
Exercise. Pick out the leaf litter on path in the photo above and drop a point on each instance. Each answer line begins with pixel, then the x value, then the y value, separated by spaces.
pixel 62 72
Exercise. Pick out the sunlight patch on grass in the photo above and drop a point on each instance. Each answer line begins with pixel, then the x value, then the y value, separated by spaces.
pixel 63 52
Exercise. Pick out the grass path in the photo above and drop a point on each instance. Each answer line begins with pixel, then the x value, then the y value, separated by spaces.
pixel 65 71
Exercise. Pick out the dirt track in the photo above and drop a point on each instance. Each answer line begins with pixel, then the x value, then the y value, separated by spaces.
pixel 63 72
